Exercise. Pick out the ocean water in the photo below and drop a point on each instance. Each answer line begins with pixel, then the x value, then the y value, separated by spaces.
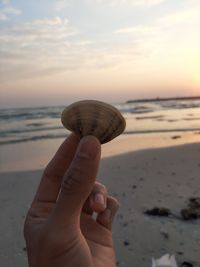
pixel 32 124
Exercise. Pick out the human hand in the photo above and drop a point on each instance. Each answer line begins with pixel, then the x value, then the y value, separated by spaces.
pixel 60 230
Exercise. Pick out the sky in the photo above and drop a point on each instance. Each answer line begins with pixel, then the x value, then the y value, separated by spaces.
pixel 54 52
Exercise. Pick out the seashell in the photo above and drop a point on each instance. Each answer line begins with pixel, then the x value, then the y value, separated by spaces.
pixel 91 117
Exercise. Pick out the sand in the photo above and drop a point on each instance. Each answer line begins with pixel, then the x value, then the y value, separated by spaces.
pixel 164 177
pixel 14 157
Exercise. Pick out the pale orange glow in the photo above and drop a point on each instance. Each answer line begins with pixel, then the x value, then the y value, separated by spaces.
pixel 49 60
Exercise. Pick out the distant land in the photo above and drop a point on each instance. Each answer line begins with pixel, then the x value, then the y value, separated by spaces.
pixel 157 99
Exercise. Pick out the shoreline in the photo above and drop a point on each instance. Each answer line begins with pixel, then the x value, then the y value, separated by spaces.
pixel 127 133
pixel 35 155
pixel 159 99
pixel 165 177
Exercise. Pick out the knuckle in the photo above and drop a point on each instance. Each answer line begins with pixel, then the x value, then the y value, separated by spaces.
pixel 81 156
pixel 98 184
pixel 98 187
pixel 72 179
pixel 114 202
pixel 103 188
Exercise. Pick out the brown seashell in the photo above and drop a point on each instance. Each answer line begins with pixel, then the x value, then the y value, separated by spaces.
pixel 91 117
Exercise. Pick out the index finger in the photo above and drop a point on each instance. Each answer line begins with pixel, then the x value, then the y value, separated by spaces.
pixel 50 184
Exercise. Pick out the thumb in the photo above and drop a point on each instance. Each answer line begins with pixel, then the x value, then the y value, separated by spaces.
pixel 78 180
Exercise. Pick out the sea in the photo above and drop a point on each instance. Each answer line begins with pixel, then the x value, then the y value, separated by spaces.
pixel 19 125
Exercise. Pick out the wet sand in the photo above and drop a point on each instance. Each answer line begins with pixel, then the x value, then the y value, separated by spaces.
pixel 164 177
pixel 35 155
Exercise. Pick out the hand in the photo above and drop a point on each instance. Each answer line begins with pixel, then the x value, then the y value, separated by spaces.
pixel 60 229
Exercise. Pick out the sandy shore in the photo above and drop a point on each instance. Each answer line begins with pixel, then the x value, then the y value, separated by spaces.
pixel 164 177
pixel 14 157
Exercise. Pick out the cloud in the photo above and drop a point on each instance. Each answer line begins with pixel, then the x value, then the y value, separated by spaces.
pixel 144 2
pixel 5 13
pixel 107 58
pixel 171 41
pixel 82 42
pixel 62 4
pixel 8 10
pixel 140 29
pixel 47 46
pixel 36 46
pixel 3 16
pixel 185 19
pixel 4 2
pixel 139 3
pixel 38 33
pixel 186 15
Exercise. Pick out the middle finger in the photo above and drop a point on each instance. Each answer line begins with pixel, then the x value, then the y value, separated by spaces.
pixel 96 201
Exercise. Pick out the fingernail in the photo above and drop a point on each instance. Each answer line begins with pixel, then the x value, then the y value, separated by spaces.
pixel 88 147
pixel 99 198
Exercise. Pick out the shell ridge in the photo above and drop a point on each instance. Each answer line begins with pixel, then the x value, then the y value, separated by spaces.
pixel 91 117
pixel 79 122
pixel 106 133
pixel 94 123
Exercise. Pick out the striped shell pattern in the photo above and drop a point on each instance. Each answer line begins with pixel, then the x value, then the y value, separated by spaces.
pixel 91 117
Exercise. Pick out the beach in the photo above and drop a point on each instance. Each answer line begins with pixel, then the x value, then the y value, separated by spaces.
pixel 142 172
pixel 63 63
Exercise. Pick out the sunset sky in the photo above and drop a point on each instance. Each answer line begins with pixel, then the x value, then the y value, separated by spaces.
pixel 53 52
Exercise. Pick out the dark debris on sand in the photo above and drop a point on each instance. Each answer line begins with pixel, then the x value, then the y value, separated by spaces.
pixel 192 212
pixel 176 137
pixel 186 264
pixel 156 211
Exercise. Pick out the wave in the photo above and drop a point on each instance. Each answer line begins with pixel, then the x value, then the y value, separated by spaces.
pixel 132 108
pixel 22 131
pixel 33 124
pixel 50 136
pixel 33 138
pixel 30 113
